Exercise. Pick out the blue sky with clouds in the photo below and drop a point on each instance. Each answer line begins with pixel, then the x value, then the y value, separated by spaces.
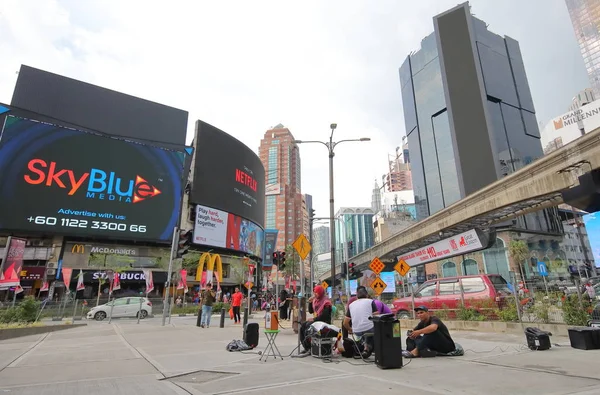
pixel 245 66
pixel 592 225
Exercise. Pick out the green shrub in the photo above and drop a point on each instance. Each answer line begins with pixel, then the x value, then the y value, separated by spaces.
pixel 219 305
pixel 24 312
pixel 572 312
pixel 464 314
pixel 443 313
pixel 189 309
pixel 508 312
pixel 541 310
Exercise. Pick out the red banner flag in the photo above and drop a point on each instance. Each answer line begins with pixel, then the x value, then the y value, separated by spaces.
pixel 45 287
pixel 67 272
pixel 12 263
pixel 116 284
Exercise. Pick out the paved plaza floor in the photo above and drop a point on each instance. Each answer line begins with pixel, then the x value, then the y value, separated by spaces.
pixel 129 358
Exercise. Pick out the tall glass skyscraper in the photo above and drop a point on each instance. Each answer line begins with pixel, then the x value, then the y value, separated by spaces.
pixel 585 16
pixel 469 114
pixel 353 231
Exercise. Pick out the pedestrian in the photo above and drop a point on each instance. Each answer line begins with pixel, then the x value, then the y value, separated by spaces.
pixel 236 304
pixel 207 299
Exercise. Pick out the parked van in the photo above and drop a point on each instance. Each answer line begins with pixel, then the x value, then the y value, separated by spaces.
pixel 445 293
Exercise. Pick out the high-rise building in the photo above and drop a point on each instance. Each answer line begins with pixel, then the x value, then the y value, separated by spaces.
pixel 320 242
pixel 585 16
pixel 582 98
pixel 567 127
pixel 281 158
pixel 399 177
pixel 468 113
pixel 376 198
pixel 353 231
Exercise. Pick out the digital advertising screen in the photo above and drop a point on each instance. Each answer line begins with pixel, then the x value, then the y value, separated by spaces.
pixel 55 179
pixel 221 229
pixel 227 175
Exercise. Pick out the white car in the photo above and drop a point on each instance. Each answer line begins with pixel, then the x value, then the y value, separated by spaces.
pixel 123 307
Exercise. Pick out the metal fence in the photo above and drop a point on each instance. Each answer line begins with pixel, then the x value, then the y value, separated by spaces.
pixel 558 300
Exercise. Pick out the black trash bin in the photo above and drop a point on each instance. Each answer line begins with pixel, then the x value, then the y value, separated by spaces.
pixel 388 341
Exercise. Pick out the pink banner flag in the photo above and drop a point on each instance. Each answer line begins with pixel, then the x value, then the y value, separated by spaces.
pixel 45 287
pixel 149 281
pixel 67 272
pixel 182 280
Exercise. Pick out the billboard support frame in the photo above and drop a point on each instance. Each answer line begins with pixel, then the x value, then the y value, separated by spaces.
pixel 166 304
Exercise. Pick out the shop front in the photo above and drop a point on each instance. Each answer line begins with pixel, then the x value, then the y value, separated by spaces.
pixel 103 255
pixel 132 283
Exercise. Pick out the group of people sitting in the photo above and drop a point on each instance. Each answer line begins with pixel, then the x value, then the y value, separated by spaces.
pixel 428 338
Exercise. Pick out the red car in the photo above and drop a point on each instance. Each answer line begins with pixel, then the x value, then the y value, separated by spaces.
pixel 444 294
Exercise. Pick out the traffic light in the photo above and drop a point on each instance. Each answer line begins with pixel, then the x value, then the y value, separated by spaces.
pixel 184 242
pixel 276 258
pixel 353 272
pixel 344 268
pixel 350 245
pixel 281 260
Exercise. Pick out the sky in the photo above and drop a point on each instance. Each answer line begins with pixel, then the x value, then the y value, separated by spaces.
pixel 592 226
pixel 245 66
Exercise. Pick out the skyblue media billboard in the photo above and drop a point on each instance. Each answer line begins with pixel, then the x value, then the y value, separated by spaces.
pixel 58 180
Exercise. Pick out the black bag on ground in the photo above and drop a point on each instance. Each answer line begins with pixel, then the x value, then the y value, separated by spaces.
pixel 237 345
pixel 351 348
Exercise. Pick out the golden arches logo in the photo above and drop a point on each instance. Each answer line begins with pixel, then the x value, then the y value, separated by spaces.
pixel 78 249
pixel 210 260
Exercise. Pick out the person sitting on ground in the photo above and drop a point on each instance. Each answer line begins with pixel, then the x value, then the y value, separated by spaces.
pixel 430 336
pixel 358 313
pixel 320 307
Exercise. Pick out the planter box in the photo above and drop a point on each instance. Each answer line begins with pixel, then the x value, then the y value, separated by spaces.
pixel 11 333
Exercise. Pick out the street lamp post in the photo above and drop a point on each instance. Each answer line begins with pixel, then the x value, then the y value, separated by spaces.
pixel 330 147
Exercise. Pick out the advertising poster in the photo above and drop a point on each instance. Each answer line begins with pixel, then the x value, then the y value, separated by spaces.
pixel 389 279
pixel 270 243
pixel 211 227
pixel 58 180
pixel 12 263
pixel 218 228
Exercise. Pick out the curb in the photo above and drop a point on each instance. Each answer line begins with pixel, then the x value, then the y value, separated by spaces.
pixel 12 333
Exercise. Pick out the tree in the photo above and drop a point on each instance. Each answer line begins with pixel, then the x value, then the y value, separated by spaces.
pixel 519 251
pixel 238 271
pixel 292 262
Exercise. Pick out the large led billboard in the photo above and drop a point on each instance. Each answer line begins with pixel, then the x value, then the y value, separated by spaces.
pixel 55 179
pixel 217 228
pixel 227 175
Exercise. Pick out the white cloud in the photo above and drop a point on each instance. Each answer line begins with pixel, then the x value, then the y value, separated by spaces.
pixel 245 66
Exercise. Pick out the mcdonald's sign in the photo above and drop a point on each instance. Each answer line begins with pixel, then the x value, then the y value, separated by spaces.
pixel 77 249
pixel 211 261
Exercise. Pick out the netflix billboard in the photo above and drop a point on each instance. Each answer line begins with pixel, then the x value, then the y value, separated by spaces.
pixel 228 176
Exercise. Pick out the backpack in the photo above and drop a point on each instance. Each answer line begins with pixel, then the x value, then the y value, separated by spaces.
pixel 237 345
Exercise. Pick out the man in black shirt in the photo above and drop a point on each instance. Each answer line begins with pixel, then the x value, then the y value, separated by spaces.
pixel 430 335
